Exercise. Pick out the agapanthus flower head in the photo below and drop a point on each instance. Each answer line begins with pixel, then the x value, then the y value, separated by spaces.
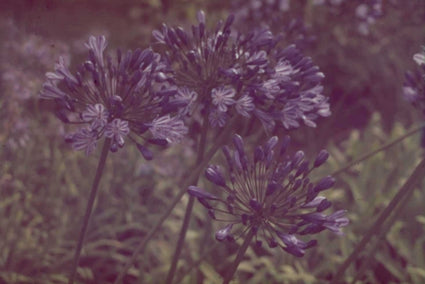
pixel 122 98
pixel 271 194
pixel 414 84
pixel 223 73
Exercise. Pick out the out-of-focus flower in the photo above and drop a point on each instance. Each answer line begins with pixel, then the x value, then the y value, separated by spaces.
pixel 270 194
pixel 127 97
pixel 414 84
pixel 366 11
pixel 329 2
pixel 24 57
pixel 419 58
pixel 223 74
pixel 277 15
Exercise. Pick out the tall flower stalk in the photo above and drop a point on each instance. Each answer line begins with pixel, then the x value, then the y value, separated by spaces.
pixel 269 198
pixel 128 97
pixel 194 173
pixel 89 208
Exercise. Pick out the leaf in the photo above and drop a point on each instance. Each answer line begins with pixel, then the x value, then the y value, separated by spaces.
pixel 210 274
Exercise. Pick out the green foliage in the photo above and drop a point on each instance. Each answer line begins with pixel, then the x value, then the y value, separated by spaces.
pixel 44 184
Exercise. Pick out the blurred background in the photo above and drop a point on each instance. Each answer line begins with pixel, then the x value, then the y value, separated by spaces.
pixel 362 47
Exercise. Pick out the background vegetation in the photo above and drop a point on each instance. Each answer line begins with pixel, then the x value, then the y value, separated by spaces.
pixel 44 184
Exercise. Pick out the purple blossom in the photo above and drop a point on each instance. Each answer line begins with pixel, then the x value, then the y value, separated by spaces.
pixel 187 99
pixel 223 97
pixel 85 140
pixel 319 221
pixel 245 105
pixel 335 221
pixel 119 98
pixel 96 114
pixel 96 46
pixel 414 84
pixel 169 128
pixel 224 234
pixel 217 118
pixel 410 94
pixel 419 58
pixel 295 246
pixel 116 130
pixel 233 73
pixel 269 194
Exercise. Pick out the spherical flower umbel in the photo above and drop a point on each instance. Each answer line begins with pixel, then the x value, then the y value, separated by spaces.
pixel 271 194
pixel 223 73
pixel 122 98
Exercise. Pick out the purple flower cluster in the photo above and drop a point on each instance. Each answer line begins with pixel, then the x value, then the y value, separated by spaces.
pixel 221 74
pixel 122 98
pixel 28 56
pixel 271 194
pixel 414 84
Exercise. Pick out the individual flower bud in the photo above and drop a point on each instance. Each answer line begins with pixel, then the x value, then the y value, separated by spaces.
pixel 284 145
pixel 325 204
pixel 298 157
pixel 270 144
pixel 321 158
pixel 324 183
pixel 200 193
pixel 258 154
pixel 223 234
pixel 214 175
pixel 302 169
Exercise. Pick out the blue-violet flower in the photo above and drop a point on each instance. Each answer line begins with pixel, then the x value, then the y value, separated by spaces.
pixel 271 194
pixel 122 98
pixel 223 73
pixel 414 84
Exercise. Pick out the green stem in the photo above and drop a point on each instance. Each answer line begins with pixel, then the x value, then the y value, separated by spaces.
pixel 195 172
pixel 382 148
pixel 203 245
pixel 411 182
pixel 89 208
pixel 180 242
pixel 188 213
pixel 239 256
